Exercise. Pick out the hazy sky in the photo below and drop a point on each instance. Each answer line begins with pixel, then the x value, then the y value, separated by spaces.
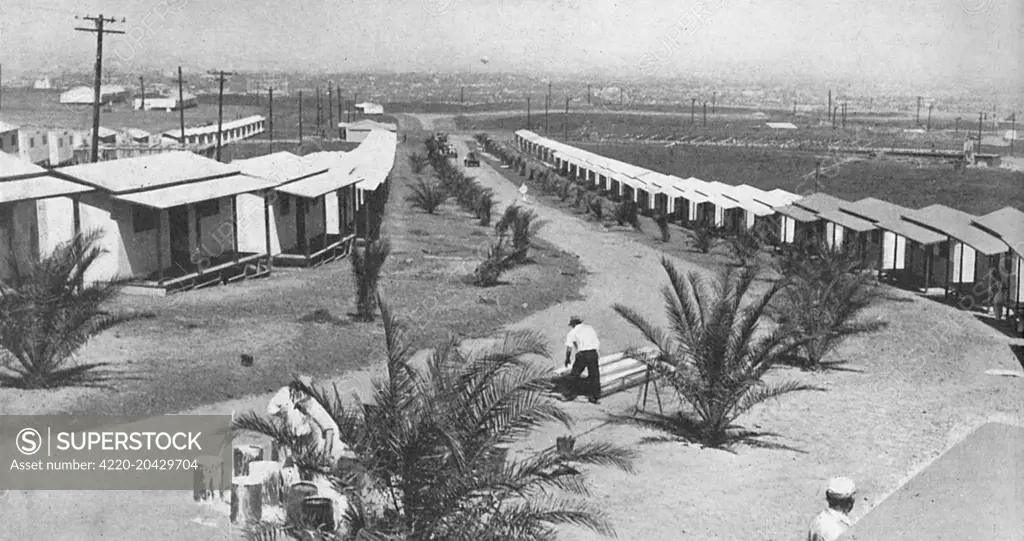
pixel 905 41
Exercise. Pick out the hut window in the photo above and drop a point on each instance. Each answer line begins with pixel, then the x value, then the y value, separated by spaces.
pixel 144 218
pixel 209 208
pixel 286 205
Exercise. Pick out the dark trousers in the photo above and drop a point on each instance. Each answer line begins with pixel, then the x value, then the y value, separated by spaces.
pixel 591 385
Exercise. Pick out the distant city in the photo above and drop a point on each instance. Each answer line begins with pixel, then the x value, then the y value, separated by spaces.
pixel 477 88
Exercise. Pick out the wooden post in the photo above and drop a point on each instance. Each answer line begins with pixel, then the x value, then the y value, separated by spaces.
pixel 160 246
pixel 246 500
pixel 243 455
pixel 266 227
pixel 927 268
pixel 234 226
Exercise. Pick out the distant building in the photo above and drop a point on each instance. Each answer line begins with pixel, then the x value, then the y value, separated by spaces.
pixel 136 136
pixel 260 86
pixel 8 138
pixel 235 130
pixel 83 95
pixel 62 146
pixel 42 84
pixel 355 132
pixel 166 103
pixel 781 125
pixel 368 108
pixel 34 145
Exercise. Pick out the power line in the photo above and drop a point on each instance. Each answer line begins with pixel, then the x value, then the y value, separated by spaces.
pixel 99 30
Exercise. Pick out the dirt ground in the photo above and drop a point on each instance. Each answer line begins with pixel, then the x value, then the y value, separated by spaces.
pixel 982 474
pixel 905 395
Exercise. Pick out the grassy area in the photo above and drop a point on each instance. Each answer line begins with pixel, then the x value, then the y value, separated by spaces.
pixel 904 182
pixel 863 130
pixel 188 355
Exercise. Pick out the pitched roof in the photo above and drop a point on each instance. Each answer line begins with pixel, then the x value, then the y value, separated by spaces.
pixel 797 213
pixel 875 210
pixel 848 221
pixel 820 202
pixel 195 192
pixel 149 172
pixel 21 180
pixel 958 225
pixel 281 167
pixel 4 126
pixel 1008 223
pixel 367 124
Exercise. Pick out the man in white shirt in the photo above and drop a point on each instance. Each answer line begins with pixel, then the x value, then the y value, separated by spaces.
pixel 583 340
pixel 306 417
pixel 834 520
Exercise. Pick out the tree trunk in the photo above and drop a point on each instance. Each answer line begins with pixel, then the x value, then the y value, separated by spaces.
pixel 246 500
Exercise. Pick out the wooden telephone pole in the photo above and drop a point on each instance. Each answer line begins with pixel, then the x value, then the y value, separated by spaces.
pixel 98 21
pixel 220 108
pixel 339 110
pixel 330 106
pixel 300 120
pixel 693 110
pixel 566 118
pixel 319 110
pixel 528 112
pixel 270 119
pixel 142 89
pixel 181 107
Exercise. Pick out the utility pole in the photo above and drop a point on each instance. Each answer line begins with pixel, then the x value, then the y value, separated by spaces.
pixel 714 96
pixel 142 85
pixel 355 98
pixel 834 111
pixel 919 110
pixel 705 114
pixel 300 120
pixel 957 132
pixel 462 96
pixel 220 108
pixel 693 110
pixel 981 118
pixel 547 103
pixel 318 110
pixel 339 111
pixel 270 120
pixel 1013 130
pixel 588 93
pixel 930 106
pixel 794 107
pixel 844 115
pixel 1 85
pixel 527 112
pixel 549 91
pixel 330 106
pixel 181 107
pixel 566 118
pixel 99 30
pixel 830 103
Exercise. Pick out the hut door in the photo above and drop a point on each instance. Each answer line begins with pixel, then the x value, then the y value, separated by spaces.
pixel 177 218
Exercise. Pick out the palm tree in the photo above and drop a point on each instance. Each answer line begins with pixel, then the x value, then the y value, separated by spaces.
pixel 427 196
pixel 745 246
pixel 366 266
pixel 825 293
pixel 524 224
pixel 705 237
pixel 431 450
pixel 48 313
pixel 714 353
pixel 418 162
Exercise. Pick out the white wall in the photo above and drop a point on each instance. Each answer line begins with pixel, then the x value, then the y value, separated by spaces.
pixel 891 260
pixel 129 254
pixel 969 255
pixel 834 234
pixel 252 225
pixel 332 226
pixel 56 217
pixel 355 136
pixel 216 233
pixel 18 234
pixel 62 146
pixel 31 146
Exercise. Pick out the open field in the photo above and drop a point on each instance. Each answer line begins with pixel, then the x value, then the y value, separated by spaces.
pixel 875 131
pixel 188 354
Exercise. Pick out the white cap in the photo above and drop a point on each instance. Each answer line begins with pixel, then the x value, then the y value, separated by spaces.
pixel 841 487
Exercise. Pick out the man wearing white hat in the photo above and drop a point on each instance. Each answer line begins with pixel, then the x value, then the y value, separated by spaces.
pixel 833 521
pixel 307 417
